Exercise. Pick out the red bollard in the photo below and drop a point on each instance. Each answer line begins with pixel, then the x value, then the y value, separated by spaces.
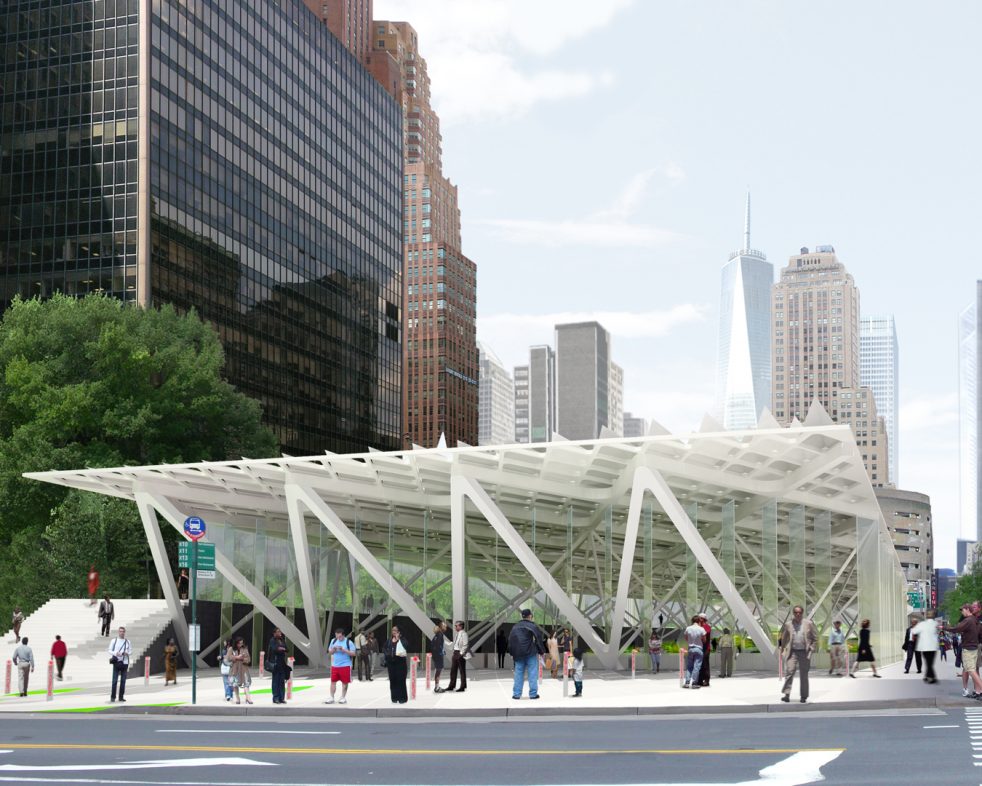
pixel 565 674
pixel 6 681
pixel 413 664
pixel 540 669
pixel 51 681
pixel 429 665
pixel 146 670
pixel 262 663
pixel 289 682
pixel 634 657
pixel 682 654
pixel 780 665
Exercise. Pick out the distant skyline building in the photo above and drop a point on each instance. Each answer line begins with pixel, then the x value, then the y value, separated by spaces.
pixel 969 417
pixel 907 515
pixel 879 370
pixel 496 406
pixel 743 355
pixel 634 426
pixel 535 396
pixel 201 155
pixel 857 408
pixel 583 400
pixel 615 421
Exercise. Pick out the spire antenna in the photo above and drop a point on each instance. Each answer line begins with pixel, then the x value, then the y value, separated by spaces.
pixel 746 225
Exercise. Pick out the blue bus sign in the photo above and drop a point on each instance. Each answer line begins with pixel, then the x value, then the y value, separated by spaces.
pixel 194 527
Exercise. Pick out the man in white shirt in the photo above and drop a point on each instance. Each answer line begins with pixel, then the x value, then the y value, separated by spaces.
pixel 837 649
pixel 120 650
pixel 458 663
pixel 24 661
pixel 924 637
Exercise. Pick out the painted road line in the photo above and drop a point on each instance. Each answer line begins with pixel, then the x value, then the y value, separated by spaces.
pixel 417 752
pixel 956 726
pixel 223 732
pixel 136 765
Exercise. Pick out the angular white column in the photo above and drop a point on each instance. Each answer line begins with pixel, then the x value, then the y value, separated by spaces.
pixel 305 576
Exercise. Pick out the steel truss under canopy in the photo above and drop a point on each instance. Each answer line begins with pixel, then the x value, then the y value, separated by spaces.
pixel 604 535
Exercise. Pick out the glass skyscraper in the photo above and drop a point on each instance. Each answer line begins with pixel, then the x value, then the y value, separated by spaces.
pixel 230 157
pixel 969 405
pixel 743 359
pixel 879 370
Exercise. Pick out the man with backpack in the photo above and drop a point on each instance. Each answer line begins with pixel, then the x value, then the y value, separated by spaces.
pixel 342 650
pixel 526 646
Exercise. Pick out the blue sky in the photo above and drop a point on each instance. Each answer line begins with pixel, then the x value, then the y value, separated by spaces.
pixel 603 151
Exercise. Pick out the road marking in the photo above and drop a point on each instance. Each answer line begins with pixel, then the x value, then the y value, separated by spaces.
pixel 415 752
pixel 935 727
pixel 223 732
pixel 802 768
pixel 135 765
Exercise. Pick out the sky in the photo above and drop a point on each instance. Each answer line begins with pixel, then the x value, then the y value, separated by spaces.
pixel 603 151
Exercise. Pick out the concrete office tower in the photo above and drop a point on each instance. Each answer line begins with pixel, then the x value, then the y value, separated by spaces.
pixel 535 396
pixel 583 403
pixel 225 187
pixel 615 421
pixel 908 518
pixel 879 370
pixel 857 408
pixel 496 406
pixel 743 355
pixel 634 427
pixel 815 334
pixel 440 364
pixel 964 554
pixel 969 417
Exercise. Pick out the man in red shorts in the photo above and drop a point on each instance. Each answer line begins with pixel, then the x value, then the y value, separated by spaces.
pixel 342 650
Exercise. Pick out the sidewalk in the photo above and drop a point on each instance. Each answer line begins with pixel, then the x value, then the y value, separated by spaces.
pixel 489 695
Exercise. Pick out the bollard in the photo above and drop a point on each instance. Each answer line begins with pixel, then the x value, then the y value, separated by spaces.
pixel 289 682
pixel 843 647
pixel 413 663
pixel 682 655
pixel 429 665
pixel 634 657
pixel 565 674
pixel 6 682
pixel 262 663
pixel 780 665
pixel 51 681
pixel 146 670
pixel 540 668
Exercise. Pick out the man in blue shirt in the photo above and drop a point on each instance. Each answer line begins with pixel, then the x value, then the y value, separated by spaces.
pixel 342 650
pixel 837 649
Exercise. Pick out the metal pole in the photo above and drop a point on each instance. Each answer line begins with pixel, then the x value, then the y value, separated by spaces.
pixel 194 622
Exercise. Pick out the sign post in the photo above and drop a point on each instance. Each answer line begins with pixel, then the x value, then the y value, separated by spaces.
pixel 194 528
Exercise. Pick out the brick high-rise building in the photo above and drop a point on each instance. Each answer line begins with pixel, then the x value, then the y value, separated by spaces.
pixel 350 22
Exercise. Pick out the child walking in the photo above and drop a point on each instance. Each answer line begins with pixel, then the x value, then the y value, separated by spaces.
pixel 578 671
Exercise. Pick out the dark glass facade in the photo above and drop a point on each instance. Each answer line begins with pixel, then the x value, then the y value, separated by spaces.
pixel 265 193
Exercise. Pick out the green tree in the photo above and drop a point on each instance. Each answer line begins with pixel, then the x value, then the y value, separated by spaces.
pixel 92 382
pixel 968 589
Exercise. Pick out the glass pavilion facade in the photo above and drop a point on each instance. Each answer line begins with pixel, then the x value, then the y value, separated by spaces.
pixel 234 158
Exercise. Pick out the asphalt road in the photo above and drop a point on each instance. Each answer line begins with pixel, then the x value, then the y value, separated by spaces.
pixel 913 746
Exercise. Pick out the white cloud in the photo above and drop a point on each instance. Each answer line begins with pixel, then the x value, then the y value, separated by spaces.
pixel 928 412
pixel 475 51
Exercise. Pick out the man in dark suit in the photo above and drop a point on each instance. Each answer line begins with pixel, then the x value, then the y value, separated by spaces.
pixel 910 649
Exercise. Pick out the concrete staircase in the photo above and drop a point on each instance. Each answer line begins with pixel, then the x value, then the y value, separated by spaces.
pixel 76 622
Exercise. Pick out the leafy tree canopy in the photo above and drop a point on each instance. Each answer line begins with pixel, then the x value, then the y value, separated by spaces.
pixel 968 589
pixel 92 382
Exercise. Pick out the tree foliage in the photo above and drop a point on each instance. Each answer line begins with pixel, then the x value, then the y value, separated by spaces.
pixel 92 382
pixel 968 589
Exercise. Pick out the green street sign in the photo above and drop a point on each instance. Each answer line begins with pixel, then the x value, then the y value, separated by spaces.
pixel 206 555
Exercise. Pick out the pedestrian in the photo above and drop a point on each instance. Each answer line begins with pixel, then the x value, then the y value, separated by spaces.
pixel 396 662
pixel 924 636
pixel 968 629
pixel 943 645
pixel 797 643
pixel 106 614
pixel 864 653
pixel 59 651
pixel 240 678
pixel 170 662
pixel 837 649
pixel 577 668
pixel 359 638
pixel 437 645
pixel 956 645
pixel 278 666
pixel 654 650
pixel 119 650
pixel 342 650
pixel 366 656
pixel 501 647
pixel 726 654
pixel 225 667
pixel 458 661
pixel 93 579
pixel 526 646
pixel 704 669
pixel 913 654
pixel 695 636
pixel 565 642
pixel 182 584
pixel 23 659
pixel 17 619
pixel 552 645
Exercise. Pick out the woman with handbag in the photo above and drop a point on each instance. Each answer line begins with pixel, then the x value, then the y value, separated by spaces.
pixel 396 661
pixel 225 666
pixel 238 655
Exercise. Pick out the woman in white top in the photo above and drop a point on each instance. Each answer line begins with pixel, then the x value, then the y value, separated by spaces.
pixel 397 663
